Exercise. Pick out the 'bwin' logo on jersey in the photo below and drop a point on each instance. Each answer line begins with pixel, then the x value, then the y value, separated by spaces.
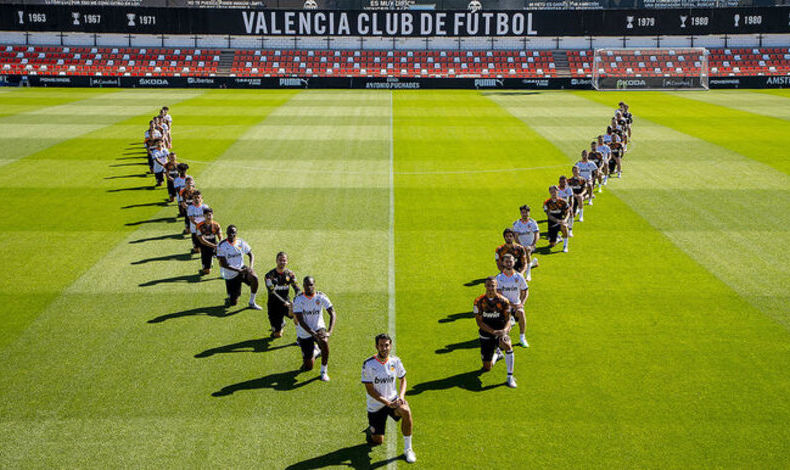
pixel 490 314
pixel 388 380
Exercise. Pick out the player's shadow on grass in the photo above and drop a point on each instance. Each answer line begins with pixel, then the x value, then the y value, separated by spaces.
pixel 190 278
pixel 282 382
pixel 217 311
pixel 252 345
pixel 471 344
pixel 135 188
pixel 146 204
pixel 171 236
pixel 466 381
pixel 173 257
pixel 128 164
pixel 137 157
pixel 456 316
pixel 545 250
pixel 475 282
pixel 356 457
pixel 135 175
pixel 169 220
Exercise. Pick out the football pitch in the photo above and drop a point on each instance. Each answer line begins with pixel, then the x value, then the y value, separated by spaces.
pixel 662 339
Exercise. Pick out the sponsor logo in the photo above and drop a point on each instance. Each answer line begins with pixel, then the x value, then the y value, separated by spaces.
pixel 55 79
pixel 622 84
pixel 678 83
pixel 75 16
pixel 393 84
pixel 105 81
pixel 539 82
pixel 388 380
pixel 250 81
pixel 489 83
pixel 294 82
pixel 131 17
pixel 725 81
pixel 200 81
pixel 778 81
pixel 581 81
pixel 491 315
pixel 153 82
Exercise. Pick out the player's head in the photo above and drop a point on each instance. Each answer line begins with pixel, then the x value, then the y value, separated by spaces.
pixel 281 259
pixel 383 345
pixel 309 285
pixel 609 129
pixel 575 171
pixel 491 286
pixel 232 231
pixel 600 139
pixel 524 211
pixel 508 261
pixel 208 213
pixel 592 146
pixel 182 168
pixel 563 181
pixel 171 157
pixel 509 235
pixel 553 191
pixel 584 155
pixel 197 198
pixel 165 109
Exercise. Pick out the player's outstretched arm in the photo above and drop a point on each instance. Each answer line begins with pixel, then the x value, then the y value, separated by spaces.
pixel 332 318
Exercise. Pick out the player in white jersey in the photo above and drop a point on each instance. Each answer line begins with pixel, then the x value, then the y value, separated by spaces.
pixel 230 254
pixel 527 235
pixel 514 287
pixel 607 155
pixel 308 307
pixel 565 192
pixel 195 216
pixel 587 170
pixel 384 399
pixel 159 156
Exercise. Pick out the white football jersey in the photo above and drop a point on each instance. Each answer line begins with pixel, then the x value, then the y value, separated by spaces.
pixel 511 286
pixel 197 213
pixel 586 168
pixel 233 254
pixel 383 376
pixel 178 183
pixel 565 194
pixel 605 151
pixel 526 231
pixel 160 158
pixel 312 310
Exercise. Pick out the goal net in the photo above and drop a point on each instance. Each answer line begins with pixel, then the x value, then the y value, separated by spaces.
pixel 651 69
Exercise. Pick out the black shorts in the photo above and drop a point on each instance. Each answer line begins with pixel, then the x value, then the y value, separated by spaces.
pixel 554 230
pixel 487 347
pixel 233 286
pixel 277 313
pixel 378 419
pixel 307 345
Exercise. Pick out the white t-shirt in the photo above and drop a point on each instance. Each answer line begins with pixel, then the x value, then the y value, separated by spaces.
pixel 383 376
pixel 605 151
pixel 526 231
pixel 586 169
pixel 197 213
pixel 178 183
pixel 565 194
pixel 607 138
pixel 160 158
pixel 312 310
pixel 168 119
pixel 511 286
pixel 233 254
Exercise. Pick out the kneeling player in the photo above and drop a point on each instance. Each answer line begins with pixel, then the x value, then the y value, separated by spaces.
pixel 279 282
pixel 383 399
pixel 230 254
pixel 513 286
pixel 311 330
pixel 492 313
pixel 557 212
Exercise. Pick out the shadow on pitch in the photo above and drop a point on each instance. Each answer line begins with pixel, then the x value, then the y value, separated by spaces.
pixel 456 316
pixel 128 164
pixel 173 257
pixel 137 157
pixel 146 204
pixel 471 344
pixel 135 175
pixel 466 381
pixel 171 236
pixel 217 311
pixel 169 220
pixel 135 188
pixel 475 282
pixel 252 345
pixel 356 457
pixel 282 382
pixel 190 278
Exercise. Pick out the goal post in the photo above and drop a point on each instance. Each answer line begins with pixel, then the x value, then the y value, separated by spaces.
pixel 670 68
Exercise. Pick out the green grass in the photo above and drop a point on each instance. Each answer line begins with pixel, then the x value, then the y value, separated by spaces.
pixel 661 340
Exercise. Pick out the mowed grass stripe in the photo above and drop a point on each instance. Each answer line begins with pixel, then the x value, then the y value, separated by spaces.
pixel 761 138
pixel 734 230
pixel 168 330
pixel 662 344
pixel 750 101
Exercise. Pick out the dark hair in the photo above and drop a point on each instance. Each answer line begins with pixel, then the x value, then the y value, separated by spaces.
pixel 306 278
pixel 491 278
pixel 208 210
pixel 381 336
pixel 197 193
pixel 232 228
pixel 280 254
pixel 508 230
pixel 563 177
pixel 524 207
pixel 165 108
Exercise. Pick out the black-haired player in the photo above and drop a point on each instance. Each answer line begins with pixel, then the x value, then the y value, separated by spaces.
pixel 279 282
pixel 492 313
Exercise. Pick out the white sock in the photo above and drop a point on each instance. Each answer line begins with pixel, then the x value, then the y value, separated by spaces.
pixel 509 359
pixel 529 270
pixel 581 213
pixel 323 369
pixel 406 443
pixel 522 337
pixel 252 297
pixel 565 244
pixel 496 356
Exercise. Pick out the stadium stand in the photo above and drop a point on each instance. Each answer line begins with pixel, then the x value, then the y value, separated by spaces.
pixel 160 62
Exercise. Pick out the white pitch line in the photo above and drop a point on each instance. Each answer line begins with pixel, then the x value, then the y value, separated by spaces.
pixel 391 173
pixel 392 439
